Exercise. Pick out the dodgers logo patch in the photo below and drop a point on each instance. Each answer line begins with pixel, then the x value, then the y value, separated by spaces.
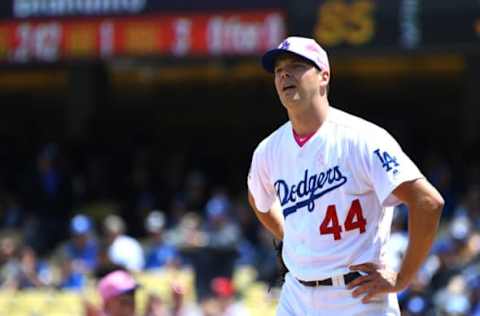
pixel 310 188
pixel 387 160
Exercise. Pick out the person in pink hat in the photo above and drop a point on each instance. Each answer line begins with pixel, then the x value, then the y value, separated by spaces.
pixel 117 290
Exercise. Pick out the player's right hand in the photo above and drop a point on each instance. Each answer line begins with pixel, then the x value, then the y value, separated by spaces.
pixel 377 281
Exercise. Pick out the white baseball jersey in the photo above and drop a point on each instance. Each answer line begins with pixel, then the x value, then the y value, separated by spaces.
pixel 335 192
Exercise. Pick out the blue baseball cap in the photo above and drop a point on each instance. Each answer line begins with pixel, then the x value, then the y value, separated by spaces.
pixel 80 224
pixel 303 47
pixel 217 206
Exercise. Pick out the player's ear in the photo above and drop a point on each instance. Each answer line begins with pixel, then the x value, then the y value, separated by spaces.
pixel 325 76
pixel 324 82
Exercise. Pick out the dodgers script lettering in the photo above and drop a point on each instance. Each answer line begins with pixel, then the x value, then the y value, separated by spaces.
pixel 308 189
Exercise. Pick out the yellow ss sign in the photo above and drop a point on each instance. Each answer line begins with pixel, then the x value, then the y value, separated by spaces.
pixel 342 22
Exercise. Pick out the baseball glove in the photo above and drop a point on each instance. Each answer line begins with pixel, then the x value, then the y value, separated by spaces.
pixel 281 267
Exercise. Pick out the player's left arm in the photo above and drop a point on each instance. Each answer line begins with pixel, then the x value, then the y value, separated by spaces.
pixel 424 204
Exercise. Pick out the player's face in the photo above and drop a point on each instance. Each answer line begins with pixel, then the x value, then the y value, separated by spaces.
pixel 296 80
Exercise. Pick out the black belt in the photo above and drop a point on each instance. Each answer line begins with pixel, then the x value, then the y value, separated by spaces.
pixel 349 277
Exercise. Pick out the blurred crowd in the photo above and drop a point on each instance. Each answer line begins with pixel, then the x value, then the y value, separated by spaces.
pixel 61 225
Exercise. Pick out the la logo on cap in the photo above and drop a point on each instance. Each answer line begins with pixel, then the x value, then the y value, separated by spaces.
pixel 285 45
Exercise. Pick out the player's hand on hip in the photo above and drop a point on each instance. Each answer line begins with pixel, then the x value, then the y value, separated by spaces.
pixel 377 281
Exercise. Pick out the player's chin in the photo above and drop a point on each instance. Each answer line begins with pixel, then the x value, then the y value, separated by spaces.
pixel 295 104
pixel 290 99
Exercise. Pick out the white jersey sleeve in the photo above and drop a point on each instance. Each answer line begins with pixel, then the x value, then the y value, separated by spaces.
pixel 384 165
pixel 259 183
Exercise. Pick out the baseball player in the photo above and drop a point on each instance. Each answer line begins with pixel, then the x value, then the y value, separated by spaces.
pixel 326 183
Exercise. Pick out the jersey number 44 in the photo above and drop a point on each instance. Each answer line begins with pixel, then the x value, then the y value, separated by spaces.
pixel 354 220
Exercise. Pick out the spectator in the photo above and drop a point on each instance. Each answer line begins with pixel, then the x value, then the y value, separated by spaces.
pixel 9 261
pixel 78 256
pixel 30 272
pixel 159 253
pixel 188 233
pixel 224 302
pixel 220 249
pixel 117 291
pixel 222 232
pixel 82 248
pixel 122 250
pixel 453 251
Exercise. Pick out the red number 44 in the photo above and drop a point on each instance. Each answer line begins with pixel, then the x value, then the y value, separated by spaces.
pixel 354 220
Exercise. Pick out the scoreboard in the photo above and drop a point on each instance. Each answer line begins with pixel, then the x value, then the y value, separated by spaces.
pixel 220 34
pixel 58 30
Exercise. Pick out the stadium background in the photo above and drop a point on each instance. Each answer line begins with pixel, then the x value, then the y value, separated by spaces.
pixel 133 106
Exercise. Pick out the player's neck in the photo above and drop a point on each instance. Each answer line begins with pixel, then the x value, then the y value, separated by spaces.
pixel 310 119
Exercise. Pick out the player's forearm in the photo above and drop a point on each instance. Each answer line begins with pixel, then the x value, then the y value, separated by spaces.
pixel 273 222
pixel 423 222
